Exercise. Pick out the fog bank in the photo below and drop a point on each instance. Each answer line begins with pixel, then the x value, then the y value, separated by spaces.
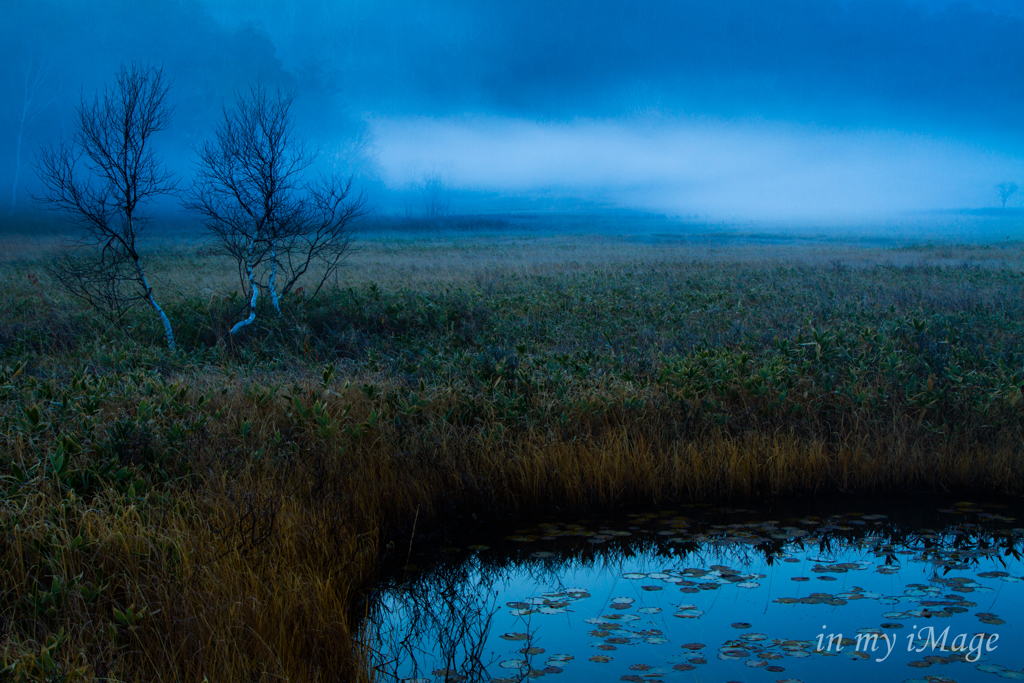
pixel 726 169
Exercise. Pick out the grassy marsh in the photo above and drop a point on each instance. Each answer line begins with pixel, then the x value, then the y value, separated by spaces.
pixel 217 514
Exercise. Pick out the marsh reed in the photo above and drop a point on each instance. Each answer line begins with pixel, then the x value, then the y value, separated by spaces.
pixel 219 514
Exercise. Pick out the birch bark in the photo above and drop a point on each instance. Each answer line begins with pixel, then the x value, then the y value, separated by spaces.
pixel 254 289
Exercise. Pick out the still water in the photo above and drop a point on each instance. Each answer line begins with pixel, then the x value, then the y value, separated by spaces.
pixel 915 589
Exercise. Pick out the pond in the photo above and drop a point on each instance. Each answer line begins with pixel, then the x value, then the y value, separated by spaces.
pixel 911 588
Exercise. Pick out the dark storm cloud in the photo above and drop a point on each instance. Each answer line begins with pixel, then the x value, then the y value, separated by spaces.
pixel 810 59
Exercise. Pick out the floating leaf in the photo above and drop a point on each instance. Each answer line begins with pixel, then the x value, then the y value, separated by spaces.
pixel 512 664
pixel 991 668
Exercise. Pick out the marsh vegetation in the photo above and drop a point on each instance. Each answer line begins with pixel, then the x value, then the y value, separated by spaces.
pixel 221 512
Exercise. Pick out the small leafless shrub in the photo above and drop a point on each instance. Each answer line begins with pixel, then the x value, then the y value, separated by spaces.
pixel 252 524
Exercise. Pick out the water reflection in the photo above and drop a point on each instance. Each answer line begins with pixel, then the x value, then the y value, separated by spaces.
pixel 915 591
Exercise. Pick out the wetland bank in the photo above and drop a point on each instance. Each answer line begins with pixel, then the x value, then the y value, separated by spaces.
pixel 239 512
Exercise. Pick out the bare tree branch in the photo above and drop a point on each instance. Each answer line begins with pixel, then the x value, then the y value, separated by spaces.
pixel 320 234
pixel 99 180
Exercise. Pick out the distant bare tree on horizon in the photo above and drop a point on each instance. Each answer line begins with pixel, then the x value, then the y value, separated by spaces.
pixel 1006 190
pixel 253 197
pixel 100 180
pixel 434 191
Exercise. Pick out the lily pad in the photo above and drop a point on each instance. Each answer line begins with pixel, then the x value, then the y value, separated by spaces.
pixel 512 663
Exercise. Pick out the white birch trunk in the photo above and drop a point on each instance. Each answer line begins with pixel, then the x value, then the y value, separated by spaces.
pixel 255 293
pixel 168 332
pixel 274 298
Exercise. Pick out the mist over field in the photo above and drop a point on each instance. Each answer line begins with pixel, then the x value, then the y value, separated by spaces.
pixel 799 110
pixel 709 168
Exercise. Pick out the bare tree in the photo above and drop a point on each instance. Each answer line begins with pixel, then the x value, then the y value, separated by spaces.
pixel 101 179
pixel 1006 190
pixel 34 98
pixel 435 196
pixel 252 194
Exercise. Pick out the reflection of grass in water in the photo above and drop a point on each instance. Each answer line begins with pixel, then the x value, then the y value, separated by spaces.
pixel 443 622
pixel 959 529
pixel 965 532
pixel 219 513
